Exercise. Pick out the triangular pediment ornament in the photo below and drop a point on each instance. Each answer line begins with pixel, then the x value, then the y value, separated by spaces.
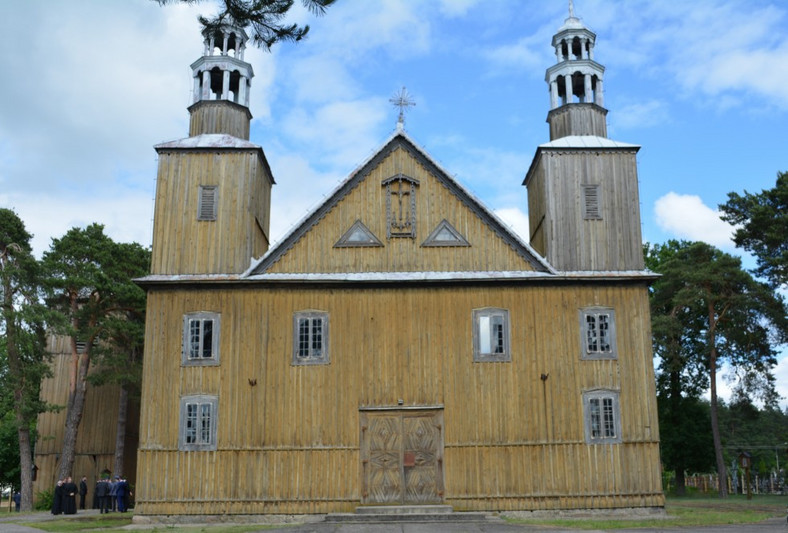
pixel 445 235
pixel 357 235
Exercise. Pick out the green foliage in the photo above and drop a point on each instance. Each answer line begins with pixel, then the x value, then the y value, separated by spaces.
pixel 44 500
pixel 9 452
pixel 762 226
pixel 685 439
pixel 90 289
pixel 705 304
pixel 706 311
pixel 264 17
pixel 24 361
pixel 761 432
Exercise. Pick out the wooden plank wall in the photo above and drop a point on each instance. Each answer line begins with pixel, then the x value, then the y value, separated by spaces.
pixel 577 119
pixel 367 202
pixel 537 207
pixel 225 245
pixel 290 443
pixel 219 116
pixel 612 243
pixel 95 447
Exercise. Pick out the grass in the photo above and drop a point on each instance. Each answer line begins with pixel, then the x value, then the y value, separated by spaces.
pixel 86 523
pixel 686 512
pixel 682 512
pixel 115 524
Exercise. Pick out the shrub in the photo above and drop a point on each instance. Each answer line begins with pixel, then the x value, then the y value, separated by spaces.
pixel 44 500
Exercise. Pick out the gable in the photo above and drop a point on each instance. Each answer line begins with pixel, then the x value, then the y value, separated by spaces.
pixel 422 219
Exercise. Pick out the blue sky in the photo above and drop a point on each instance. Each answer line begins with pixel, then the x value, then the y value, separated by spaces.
pixel 89 86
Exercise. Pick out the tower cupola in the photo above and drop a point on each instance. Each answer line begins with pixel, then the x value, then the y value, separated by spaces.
pixel 222 82
pixel 575 82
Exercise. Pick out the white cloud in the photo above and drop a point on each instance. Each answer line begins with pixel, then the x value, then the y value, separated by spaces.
pixel 687 217
pixel 127 215
pixel 639 115
pixel 516 219
pixel 92 89
pixel 339 132
pixel 456 8
pixel 717 52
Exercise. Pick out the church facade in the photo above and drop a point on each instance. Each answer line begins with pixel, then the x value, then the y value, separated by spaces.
pixel 400 345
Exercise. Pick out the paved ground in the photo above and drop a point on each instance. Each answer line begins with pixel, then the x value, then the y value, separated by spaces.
pixel 774 525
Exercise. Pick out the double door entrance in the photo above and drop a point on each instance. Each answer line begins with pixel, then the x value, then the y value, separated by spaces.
pixel 402 456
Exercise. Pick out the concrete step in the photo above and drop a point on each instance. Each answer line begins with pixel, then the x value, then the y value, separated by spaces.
pixel 404 509
pixel 408 513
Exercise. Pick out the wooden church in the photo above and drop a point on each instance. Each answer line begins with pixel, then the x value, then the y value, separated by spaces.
pixel 400 345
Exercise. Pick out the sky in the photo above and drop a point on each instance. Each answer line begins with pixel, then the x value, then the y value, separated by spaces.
pixel 89 86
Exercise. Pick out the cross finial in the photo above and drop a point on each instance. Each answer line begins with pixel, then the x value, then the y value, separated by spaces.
pixel 402 100
pixel 571 9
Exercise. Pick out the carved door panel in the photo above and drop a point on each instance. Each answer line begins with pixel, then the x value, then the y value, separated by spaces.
pixel 402 456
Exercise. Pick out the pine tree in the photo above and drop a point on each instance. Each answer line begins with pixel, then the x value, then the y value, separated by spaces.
pixel 25 361
pixel 707 310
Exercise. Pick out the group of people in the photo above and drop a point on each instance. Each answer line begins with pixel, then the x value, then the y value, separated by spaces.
pixel 64 500
pixel 110 495
pixel 113 495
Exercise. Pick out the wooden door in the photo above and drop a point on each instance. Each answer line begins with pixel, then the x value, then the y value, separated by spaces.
pixel 402 456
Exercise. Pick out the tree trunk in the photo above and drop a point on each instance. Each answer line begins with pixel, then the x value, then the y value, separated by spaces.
pixel 681 482
pixel 120 433
pixel 26 466
pixel 76 406
pixel 722 476
pixel 675 409
pixel 15 370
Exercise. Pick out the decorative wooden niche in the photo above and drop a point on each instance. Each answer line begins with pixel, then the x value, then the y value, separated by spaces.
pixel 400 206
pixel 358 236
pixel 445 235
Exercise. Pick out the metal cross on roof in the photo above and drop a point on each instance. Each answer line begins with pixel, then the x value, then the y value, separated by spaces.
pixel 402 100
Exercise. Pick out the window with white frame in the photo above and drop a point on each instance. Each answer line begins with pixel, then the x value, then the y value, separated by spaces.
pixel 602 417
pixel 200 339
pixel 491 335
pixel 598 333
pixel 198 422
pixel 310 338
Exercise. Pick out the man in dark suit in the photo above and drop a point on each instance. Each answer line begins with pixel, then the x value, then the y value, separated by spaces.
pixel 83 492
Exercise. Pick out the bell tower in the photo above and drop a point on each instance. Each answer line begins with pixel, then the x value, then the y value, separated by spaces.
pixel 213 190
pixel 575 79
pixel 583 200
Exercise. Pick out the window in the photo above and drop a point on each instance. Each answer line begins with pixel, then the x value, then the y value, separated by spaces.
pixel 598 333
pixel 198 423
pixel 400 206
pixel 602 417
pixel 591 202
pixel 200 339
pixel 206 208
pixel 445 235
pixel 358 235
pixel 491 335
pixel 310 338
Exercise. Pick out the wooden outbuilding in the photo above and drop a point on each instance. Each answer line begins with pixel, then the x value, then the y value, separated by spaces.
pixel 401 345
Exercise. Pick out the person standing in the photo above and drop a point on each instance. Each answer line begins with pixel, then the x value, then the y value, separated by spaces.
pixel 69 496
pixel 113 494
pixel 102 493
pixel 83 492
pixel 120 493
pixel 57 498
pixel 17 501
